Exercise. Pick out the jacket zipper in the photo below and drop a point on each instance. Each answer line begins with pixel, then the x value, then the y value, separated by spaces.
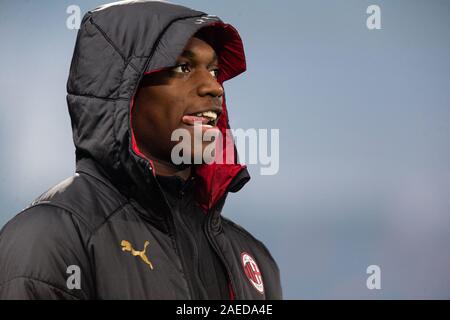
pixel 177 246
pixel 195 253
pixel 209 236
pixel 175 240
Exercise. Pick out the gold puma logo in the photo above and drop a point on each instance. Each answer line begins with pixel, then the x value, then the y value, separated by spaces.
pixel 126 246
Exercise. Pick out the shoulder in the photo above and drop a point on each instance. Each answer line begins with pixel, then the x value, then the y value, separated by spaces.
pixel 41 242
pixel 75 206
pixel 246 236
pixel 249 245
pixel 88 199
pixel 36 248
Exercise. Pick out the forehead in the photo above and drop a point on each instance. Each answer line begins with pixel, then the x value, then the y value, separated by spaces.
pixel 197 48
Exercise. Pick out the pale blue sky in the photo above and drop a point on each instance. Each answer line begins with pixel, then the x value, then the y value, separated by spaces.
pixel 364 119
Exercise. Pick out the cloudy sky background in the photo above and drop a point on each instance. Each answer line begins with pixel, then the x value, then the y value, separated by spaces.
pixel 364 120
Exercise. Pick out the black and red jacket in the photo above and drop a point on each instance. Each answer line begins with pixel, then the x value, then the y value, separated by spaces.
pixel 115 219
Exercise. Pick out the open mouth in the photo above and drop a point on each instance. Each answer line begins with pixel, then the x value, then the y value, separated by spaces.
pixel 207 118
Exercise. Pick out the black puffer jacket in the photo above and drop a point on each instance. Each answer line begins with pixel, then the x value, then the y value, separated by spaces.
pixel 111 226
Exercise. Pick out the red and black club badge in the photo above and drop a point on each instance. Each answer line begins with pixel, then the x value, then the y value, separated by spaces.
pixel 252 272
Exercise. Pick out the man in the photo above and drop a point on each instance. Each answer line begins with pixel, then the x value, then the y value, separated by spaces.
pixel 132 223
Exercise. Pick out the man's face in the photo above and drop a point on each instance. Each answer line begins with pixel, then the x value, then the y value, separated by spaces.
pixel 172 99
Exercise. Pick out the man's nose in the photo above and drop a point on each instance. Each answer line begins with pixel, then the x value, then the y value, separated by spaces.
pixel 209 86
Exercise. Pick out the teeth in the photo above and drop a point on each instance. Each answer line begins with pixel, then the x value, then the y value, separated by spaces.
pixel 208 114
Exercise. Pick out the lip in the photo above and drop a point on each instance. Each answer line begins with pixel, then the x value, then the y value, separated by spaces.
pixel 193 120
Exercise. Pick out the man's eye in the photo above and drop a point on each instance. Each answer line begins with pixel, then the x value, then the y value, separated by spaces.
pixel 215 73
pixel 182 68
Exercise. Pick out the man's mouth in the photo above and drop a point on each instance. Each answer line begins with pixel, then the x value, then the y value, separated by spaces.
pixel 207 119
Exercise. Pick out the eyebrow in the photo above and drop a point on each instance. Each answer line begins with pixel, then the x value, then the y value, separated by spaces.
pixel 191 55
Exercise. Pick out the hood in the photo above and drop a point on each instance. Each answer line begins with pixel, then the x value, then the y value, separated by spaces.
pixel 116 45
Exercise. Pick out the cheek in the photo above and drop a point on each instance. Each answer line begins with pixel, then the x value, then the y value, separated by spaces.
pixel 172 114
pixel 163 112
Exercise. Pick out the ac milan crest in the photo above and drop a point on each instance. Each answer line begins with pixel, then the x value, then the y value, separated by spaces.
pixel 252 272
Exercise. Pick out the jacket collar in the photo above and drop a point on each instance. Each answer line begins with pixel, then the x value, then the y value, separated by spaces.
pixel 152 206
